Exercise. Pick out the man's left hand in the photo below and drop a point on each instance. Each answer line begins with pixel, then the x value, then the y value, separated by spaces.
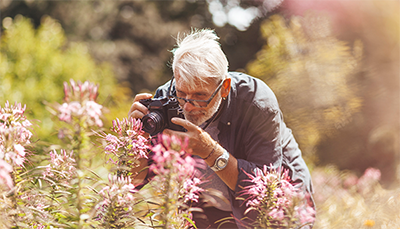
pixel 200 142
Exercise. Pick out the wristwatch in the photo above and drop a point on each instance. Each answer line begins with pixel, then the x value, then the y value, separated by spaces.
pixel 221 162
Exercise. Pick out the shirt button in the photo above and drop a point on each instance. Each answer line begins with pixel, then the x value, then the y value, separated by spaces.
pixel 229 123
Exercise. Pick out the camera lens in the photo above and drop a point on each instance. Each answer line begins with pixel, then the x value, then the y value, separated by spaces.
pixel 153 122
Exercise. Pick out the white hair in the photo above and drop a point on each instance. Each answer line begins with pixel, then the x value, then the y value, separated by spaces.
pixel 198 58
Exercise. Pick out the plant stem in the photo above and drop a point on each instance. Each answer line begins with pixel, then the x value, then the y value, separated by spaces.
pixel 79 165
pixel 166 201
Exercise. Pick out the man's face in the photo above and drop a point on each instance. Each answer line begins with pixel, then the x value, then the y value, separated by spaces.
pixel 198 115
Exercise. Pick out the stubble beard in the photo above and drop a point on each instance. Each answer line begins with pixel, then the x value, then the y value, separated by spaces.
pixel 199 117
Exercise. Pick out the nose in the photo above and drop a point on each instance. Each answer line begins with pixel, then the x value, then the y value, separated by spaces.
pixel 188 107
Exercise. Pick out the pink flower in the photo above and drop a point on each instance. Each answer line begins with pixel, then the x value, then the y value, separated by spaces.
pixel 65 112
pixel 61 167
pixel 24 135
pixel 4 116
pixel 118 195
pixel 112 139
pixel 276 199
pixel 15 111
pixel 372 173
pixel 20 150
pixel 175 181
pixel 5 170
pixel 75 108
pixel 93 110
pixel 2 150
pixel 110 148
pixel 15 158
pixel 38 225
pixel 253 203
pixel 18 160
pixel 277 214
pixel 367 181
pixel 14 133
pixel 80 103
pixel 26 123
pixel 77 91
pixel 305 214
pixel 18 109
pixel 14 123
pixel 190 190
pixel 127 145
pixel 288 188
pixel 350 181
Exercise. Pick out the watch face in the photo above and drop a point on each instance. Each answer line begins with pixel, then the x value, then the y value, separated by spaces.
pixel 221 162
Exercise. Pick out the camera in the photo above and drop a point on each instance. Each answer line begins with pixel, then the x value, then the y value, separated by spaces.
pixel 161 111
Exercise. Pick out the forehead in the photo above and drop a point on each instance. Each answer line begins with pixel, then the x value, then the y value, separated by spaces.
pixel 198 85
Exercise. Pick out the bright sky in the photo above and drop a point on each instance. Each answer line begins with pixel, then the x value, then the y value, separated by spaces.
pixel 235 15
pixel 242 18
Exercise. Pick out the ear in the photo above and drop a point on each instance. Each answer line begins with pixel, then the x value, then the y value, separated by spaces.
pixel 226 87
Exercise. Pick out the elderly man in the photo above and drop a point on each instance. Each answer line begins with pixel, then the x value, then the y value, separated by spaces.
pixel 233 123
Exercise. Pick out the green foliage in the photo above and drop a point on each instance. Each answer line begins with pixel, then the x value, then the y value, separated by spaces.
pixel 132 35
pixel 311 73
pixel 35 63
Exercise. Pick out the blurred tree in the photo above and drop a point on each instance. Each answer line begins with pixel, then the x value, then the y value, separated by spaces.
pixel 35 63
pixel 372 138
pixel 135 36
pixel 131 35
pixel 311 73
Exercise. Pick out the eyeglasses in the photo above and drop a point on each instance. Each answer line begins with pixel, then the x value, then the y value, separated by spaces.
pixel 194 102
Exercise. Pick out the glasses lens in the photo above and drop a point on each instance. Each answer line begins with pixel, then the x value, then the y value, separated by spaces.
pixel 199 103
pixel 180 101
pixel 195 103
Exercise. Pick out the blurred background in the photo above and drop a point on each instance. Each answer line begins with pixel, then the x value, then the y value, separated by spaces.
pixel 334 65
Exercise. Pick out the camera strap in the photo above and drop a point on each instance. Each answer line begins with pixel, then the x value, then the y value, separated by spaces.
pixel 216 115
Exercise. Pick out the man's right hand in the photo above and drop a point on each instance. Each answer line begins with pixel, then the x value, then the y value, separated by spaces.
pixel 139 110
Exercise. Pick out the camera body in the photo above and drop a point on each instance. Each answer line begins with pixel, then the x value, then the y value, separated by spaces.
pixel 161 111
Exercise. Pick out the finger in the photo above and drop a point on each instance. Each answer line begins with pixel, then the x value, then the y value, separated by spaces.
pixel 137 109
pixel 142 96
pixel 185 124
pixel 136 114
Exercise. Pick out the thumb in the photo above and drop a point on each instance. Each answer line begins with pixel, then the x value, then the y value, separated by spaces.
pixel 184 123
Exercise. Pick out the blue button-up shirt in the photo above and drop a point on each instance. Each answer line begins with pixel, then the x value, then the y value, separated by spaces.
pixel 252 129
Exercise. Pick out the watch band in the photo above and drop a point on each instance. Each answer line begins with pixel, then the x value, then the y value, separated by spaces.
pixel 221 162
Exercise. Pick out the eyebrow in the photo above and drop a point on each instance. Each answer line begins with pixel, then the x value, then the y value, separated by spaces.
pixel 196 92
pixel 177 90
